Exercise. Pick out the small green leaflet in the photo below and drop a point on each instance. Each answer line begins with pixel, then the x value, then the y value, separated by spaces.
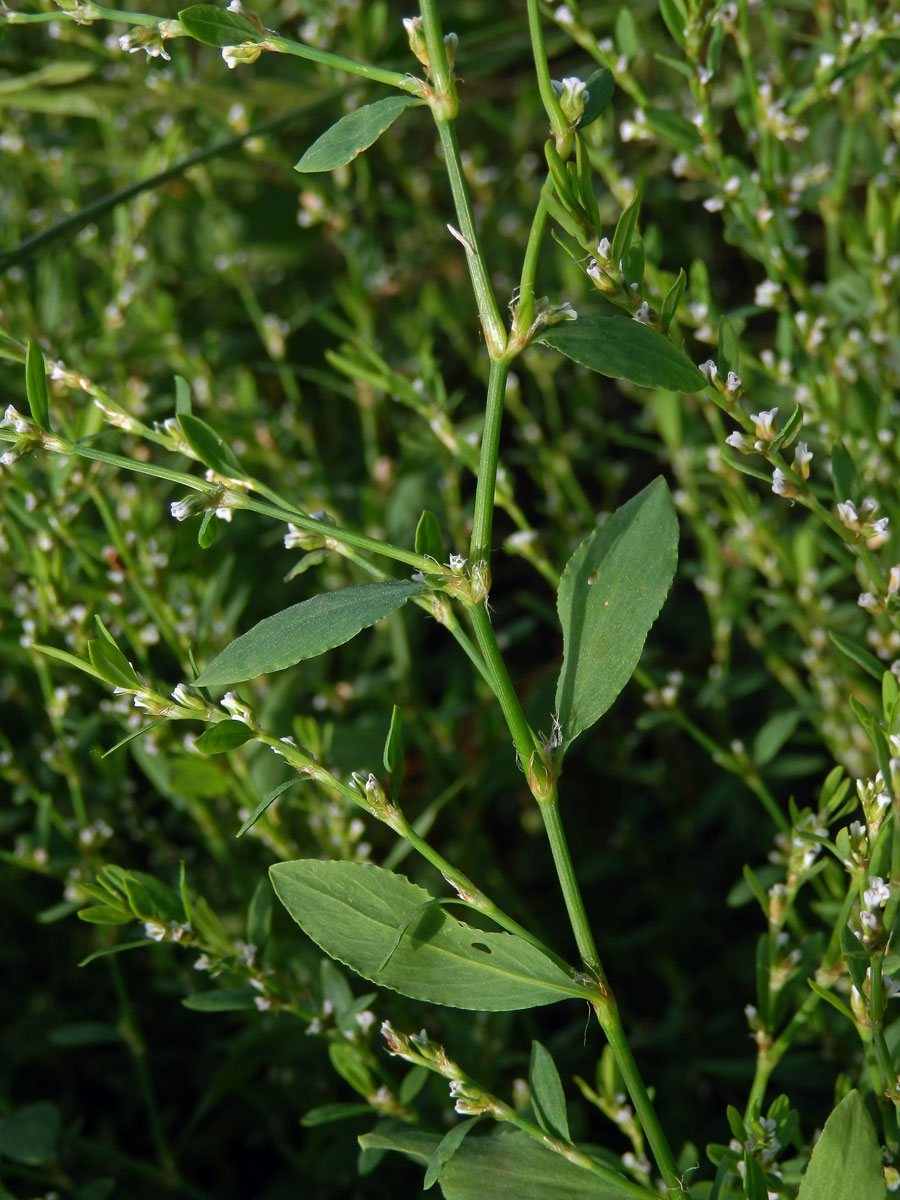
pixel 354 133
pixel 355 911
pixel 610 593
pixel 305 630
pixel 36 386
pixel 215 26
pixel 608 341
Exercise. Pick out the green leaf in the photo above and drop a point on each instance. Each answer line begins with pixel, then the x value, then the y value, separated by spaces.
pixel 237 999
pixel 268 799
pixel 547 1094
pixel 354 133
pixel 672 300
pixel 610 593
pixel 393 751
pixel 677 130
pixel 85 1033
pixel 353 911
pixel 209 447
pixel 29 1135
pixel 728 350
pixel 215 26
pixel 327 1114
pixel 104 914
pixel 626 33
pixel 36 386
pixel 507 1165
pixel 773 735
pixel 738 462
pixel 111 664
pixel 625 227
pixel 614 345
pixel 429 539
pixel 445 1149
pixel 754 1180
pixel 305 630
pixel 846 1160
pixel 227 735
pixel 600 88
pixel 182 396
pixel 859 654
pixel 675 17
pixel 118 948
pixel 844 475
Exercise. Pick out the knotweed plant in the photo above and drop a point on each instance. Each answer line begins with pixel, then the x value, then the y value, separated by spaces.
pixel 381 603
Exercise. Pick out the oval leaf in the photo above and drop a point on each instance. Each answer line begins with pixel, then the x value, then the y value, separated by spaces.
pixel 609 595
pixel 846 1160
pixel 29 1135
pixel 354 133
pixel 237 999
pixel 305 630
pixel 354 911
pixel 226 735
pixel 600 88
pixel 621 348
pixel 547 1096
pixel 214 26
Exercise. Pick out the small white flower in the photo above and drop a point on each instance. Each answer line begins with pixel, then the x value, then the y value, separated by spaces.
pixel 764 423
pixel 643 314
pixel 877 893
pixel 708 370
pixel 155 930
pixel 869 602
pixel 736 441
pixel 732 383
pixel 457 563
pixel 781 485
pixel 180 509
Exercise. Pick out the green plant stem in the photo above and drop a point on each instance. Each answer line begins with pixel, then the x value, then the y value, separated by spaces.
pixel 568 881
pixel 525 309
pixel 237 500
pixel 483 518
pixel 443 108
pixel 282 45
pixel 608 1017
pixel 523 738
pixel 562 135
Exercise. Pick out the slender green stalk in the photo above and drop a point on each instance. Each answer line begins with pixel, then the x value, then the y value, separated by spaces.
pixel 568 881
pixel 561 133
pixel 282 45
pixel 237 500
pixel 522 735
pixel 525 309
pixel 483 518
pixel 608 1016
pixel 491 322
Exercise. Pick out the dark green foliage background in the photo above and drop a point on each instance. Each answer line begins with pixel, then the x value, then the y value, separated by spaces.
pixel 660 833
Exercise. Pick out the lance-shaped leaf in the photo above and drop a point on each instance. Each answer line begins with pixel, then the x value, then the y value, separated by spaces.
pixel 36 386
pixel 507 1165
pixel 608 341
pixel 354 133
pixel 609 595
pixel 354 912
pixel 305 630
pixel 846 1160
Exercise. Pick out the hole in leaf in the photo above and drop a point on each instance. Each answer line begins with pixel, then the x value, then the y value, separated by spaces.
pixel 482 947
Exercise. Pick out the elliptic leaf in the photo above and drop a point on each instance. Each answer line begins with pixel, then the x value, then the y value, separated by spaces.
pixel 235 999
pixel 36 386
pixel 226 735
pixel 609 596
pixel 600 88
pixel 547 1094
pixel 29 1135
pixel 846 1160
pixel 305 630
pixel 353 911
pixel 614 345
pixel 217 26
pixel 354 133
